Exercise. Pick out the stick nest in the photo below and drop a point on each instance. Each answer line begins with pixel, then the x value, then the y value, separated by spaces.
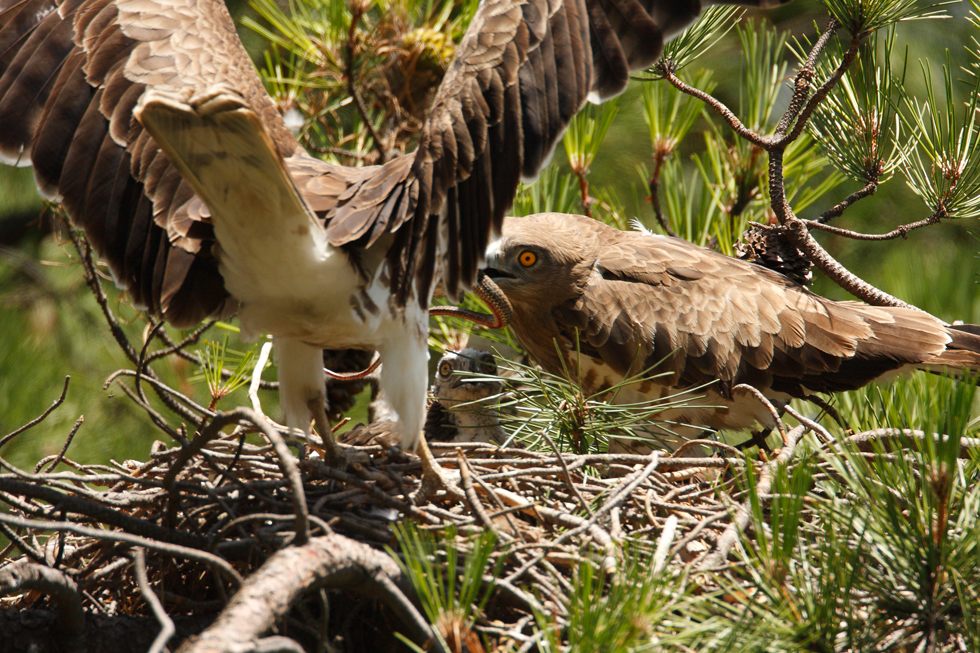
pixel 210 519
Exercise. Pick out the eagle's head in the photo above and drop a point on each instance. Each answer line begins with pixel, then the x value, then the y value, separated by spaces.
pixel 542 259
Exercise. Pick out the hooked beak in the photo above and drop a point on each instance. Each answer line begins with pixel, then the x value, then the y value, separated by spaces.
pixel 494 267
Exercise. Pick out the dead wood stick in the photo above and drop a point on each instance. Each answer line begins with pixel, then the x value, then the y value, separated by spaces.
pixel 331 561
pixel 466 478
pixel 628 484
pixel 742 512
pixel 103 514
pixel 135 540
pixel 167 628
pixel 864 439
pixel 568 477
pixel 25 575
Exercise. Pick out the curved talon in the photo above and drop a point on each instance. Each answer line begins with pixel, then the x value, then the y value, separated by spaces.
pixel 492 296
pixel 353 376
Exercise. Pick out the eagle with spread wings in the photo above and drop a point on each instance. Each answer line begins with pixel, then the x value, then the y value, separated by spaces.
pixel 650 316
pixel 148 122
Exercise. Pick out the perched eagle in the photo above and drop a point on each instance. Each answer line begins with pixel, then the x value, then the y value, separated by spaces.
pixel 627 303
pixel 147 121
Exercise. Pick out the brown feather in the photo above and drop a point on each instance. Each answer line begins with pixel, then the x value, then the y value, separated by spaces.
pixel 72 72
pixel 700 317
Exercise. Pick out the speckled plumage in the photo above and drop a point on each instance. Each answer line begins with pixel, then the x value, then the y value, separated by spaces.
pixel 681 316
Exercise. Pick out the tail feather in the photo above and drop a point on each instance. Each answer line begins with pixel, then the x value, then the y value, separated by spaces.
pixel 962 353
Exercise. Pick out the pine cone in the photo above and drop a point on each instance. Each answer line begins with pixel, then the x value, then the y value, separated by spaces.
pixel 767 247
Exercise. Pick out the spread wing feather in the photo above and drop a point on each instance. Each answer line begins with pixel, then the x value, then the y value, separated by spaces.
pixel 72 73
pixel 520 74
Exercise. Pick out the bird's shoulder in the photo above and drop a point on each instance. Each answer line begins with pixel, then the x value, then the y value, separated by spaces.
pixel 667 261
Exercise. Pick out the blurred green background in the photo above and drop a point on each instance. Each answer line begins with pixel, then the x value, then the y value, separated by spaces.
pixel 51 326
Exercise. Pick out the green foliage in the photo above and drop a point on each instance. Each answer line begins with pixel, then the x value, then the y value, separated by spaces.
pixel 857 126
pixel 215 358
pixel 765 67
pixel 944 169
pixel 860 17
pixel 586 133
pixel 670 114
pixel 850 551
pixel 452 590
pixel 697 39
pixel 610 616
pixel 539 404
pixel 802 577
pixel 554 191
pixel 392 53
pixel 917 515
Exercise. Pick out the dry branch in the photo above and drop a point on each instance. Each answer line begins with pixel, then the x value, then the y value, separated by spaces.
pixel 331 561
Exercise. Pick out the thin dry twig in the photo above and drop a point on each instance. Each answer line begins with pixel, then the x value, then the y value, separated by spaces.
pixel 742 511
pixel 167 628
pixel 40 418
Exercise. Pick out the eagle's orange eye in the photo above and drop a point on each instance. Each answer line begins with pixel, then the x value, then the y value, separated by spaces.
pixel 527 258
pixel 445 369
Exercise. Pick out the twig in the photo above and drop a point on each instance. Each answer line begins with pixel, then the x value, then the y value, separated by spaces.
pixel 471 498
pixel 807 422
pixel 104 515
pixel 331 561
pixel 799 236
pixel 504 511
pixel 289 469
pixel 37 420
pixel 805 77
pixel 134 540
pixel 167 629
pixel 752 390
pixel 865 439
pixel 714 444
pixel 141 363
pixel 173 347
pixel 92 279
pixel 161 387
pixel 830 410
pixel 821 93
pixel 727 114
pixel 659 157
pixel 24 575
pixel 568 477
pixel 696 531
pixel 899 232
pixel 628 485
pixel 64 448
pixel 835 212
pixel 742 512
